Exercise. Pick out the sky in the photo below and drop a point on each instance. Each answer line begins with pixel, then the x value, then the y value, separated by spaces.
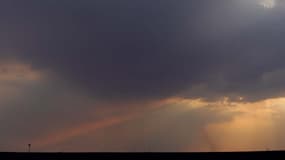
pixel 139 76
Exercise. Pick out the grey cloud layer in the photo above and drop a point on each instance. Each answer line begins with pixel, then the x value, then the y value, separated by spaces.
pixel 135 49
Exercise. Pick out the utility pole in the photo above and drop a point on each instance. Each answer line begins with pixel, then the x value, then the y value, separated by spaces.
pixel 29 147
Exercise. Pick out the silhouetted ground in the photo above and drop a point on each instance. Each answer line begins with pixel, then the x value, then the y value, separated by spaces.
pixel 146 156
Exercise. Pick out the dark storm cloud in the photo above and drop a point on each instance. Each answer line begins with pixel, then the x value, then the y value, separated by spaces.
pixel 137 49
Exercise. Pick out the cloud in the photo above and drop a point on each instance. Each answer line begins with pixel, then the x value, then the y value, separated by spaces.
pixel 150 50
pixel 172 127
pixel 187 67
pixel 181 125
pixel 56 117
pixel 82 129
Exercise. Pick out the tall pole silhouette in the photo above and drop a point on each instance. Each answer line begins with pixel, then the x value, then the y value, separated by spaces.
pixel 29 147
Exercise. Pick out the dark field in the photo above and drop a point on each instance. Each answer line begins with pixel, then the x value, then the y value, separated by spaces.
pixel 146 156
